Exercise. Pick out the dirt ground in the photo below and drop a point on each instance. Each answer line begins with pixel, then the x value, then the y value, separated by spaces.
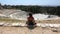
pixel 25 30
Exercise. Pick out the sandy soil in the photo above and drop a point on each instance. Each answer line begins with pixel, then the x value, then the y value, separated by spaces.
pixel 25 30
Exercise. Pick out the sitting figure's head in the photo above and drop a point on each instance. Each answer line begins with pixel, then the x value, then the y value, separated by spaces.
pixel 30 14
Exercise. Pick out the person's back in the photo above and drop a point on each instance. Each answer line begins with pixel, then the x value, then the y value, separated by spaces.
pixel 30 18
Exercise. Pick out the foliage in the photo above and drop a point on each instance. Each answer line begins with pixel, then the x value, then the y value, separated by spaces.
pixel 55 10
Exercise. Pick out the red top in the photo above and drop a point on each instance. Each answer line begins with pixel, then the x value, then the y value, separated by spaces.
pixel 30 18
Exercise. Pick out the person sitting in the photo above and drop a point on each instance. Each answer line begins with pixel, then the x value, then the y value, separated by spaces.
pixel 30 20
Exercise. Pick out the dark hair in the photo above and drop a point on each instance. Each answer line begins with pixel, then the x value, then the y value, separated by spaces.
pixel 30 14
